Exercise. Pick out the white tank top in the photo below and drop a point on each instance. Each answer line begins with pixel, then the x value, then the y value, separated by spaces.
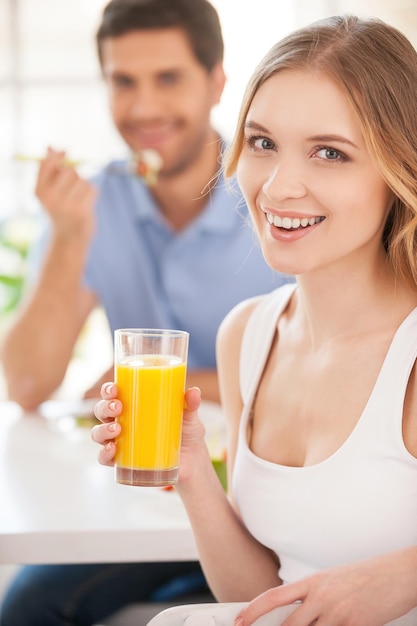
pixel 358 503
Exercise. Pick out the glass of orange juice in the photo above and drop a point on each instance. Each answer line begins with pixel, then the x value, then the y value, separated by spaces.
pixel 150 369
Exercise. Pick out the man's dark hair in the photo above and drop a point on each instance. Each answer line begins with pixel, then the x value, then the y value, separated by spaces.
pixel 198 19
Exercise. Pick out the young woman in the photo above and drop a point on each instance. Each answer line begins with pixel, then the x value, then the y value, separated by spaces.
pixel 317 379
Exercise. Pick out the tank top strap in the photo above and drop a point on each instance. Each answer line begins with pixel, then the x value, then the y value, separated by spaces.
pixel 388 395
pixel 257 338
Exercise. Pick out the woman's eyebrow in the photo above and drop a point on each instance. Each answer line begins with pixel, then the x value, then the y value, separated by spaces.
pixel 329 138
pixel 256 126
pixel 321 138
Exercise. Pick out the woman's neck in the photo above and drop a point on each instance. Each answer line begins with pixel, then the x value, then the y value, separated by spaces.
pixel 330 306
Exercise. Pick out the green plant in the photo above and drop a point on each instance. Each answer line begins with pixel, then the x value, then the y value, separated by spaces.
pixel 16 237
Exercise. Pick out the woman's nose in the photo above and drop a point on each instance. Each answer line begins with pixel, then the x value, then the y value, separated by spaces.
pixel 284 181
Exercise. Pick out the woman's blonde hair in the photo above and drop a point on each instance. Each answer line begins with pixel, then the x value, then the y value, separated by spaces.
pixel 376 66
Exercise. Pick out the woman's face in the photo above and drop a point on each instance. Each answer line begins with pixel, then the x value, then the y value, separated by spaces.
pixel 315 195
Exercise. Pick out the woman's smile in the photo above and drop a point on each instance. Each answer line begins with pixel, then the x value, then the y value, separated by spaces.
pixel 292 223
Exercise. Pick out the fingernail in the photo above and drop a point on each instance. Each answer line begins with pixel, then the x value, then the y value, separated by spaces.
pixel 112 405
pixel 108 447
pixel 108 388
pixel 111 427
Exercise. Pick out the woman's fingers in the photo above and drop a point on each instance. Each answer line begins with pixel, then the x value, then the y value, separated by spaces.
pixel 271 599
pixel 110 407
pixel 192 399
pixel 107 453
pixel 104 434
pixel 108 391
pixel 106 411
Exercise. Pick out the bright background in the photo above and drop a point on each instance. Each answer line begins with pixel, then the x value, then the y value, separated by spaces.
pixel 50 86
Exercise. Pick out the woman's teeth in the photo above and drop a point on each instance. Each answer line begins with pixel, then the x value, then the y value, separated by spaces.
pixel 292 223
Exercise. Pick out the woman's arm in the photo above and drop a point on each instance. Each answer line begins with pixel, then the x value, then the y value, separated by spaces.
pixel 237 567
pixel 372 592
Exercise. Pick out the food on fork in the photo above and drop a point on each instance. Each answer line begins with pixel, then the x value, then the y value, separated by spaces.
pixel 147 164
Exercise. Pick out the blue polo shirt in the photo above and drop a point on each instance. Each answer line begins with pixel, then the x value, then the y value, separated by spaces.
pixel 148 276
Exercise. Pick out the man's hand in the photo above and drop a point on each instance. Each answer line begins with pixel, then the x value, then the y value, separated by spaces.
pixel 66 197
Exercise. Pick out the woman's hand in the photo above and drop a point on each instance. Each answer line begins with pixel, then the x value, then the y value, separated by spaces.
pixel 368 593
pixel 192 438
pixel 106 410
pixel 109 408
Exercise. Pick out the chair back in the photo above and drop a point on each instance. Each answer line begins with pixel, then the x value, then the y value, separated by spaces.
pixel 223 614
pixel 215 614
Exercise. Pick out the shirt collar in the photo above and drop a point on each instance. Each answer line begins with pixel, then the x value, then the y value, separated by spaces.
pixel 224 206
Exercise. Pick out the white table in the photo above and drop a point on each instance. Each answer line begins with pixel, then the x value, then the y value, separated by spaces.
pixel 58 505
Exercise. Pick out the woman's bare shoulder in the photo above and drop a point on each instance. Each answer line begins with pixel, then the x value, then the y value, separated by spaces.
pixel 228 349
pixel 229 338
pixel 234 323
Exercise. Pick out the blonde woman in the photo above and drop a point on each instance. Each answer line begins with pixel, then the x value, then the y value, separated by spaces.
pixel 317 379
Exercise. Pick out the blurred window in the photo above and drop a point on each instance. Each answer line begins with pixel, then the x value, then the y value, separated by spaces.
pixel 51 91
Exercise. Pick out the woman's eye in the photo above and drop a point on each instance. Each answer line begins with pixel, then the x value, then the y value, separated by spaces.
pixel 263 144
pixel 329 154
pixel 260 143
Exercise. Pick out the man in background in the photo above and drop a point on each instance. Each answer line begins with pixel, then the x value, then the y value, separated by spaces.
pixel 166 247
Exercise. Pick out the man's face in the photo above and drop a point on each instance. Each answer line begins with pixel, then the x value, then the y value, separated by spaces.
pixel 160 95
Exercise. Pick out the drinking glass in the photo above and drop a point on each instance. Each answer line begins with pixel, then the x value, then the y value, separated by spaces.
pixel 150 371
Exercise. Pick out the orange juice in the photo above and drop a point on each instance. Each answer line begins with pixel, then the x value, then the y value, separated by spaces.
pixel 151 388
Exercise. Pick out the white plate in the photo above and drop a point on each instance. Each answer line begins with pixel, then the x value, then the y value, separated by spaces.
pixel 66 416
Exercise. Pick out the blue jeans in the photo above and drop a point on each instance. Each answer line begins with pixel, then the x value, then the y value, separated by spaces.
pixel 82 595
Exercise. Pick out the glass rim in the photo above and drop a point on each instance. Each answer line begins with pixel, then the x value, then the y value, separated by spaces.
pixel 151 332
